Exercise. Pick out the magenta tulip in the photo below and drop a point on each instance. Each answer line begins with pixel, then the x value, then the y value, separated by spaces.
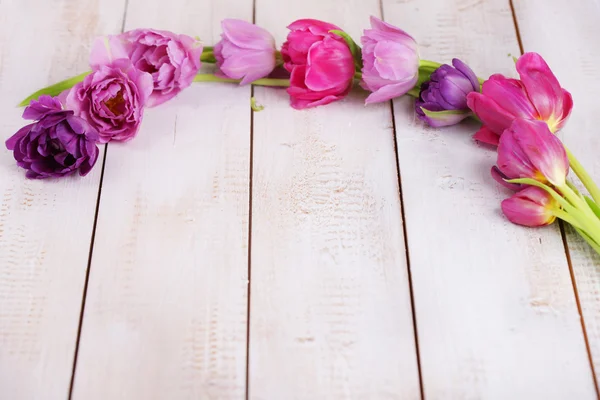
pixel 536 96
pixel 245 52
pixel 320 63
pixel 529 150
pixel 531 206
pixel 390 61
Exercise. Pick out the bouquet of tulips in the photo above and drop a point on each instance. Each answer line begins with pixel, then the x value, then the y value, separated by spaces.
pixel 319 63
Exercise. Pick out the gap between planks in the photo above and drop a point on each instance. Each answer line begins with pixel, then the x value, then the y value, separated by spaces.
pixel 92 241
pixel 563 235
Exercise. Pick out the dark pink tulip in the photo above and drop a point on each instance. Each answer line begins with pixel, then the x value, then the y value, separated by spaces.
pixel 529 150
pixel 536 96
pixel 320 63
pixel 531 206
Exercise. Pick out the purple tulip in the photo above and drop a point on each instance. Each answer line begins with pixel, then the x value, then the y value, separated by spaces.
pixel 245 52
pixel 172 60
pixel 57 144
pixel 113 96
pixel 447 92
pixel 391 61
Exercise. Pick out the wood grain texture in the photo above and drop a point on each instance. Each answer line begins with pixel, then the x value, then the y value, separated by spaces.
pixel 45 226
pixel 495 306
pixel 166 310
pixel 567 35
pixel 330 304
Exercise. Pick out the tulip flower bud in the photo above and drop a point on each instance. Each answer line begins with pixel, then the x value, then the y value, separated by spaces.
pixel 391 61
pixel 529 150
pixel 531 206
pixel 443 99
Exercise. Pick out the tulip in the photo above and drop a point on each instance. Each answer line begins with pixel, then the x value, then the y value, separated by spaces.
pixel 529 150
pixel 320 63
pixel 57 144
pixel 443 99
pixel 172 60
pixel 531 206
pixel 391 61
pixel 113 96
pixel 245 52
pixel 536 96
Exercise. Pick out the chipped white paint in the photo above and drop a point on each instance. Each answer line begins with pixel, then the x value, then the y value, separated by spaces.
pixel 495 307
pixel 330 303
pixel 566 34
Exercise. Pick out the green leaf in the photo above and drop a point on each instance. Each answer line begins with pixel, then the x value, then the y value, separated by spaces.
pixel 354 48
pixel 593 206
pixel 434 114
pixel 56 89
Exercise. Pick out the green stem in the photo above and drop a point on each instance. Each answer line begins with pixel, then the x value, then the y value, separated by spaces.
pixel 426 64
pixel 259 82
pixel 56 89
pixel 588 239
pixel 583 175
pixel 567 218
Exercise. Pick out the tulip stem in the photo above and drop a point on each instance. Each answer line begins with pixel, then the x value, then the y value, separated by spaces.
pixel 56 89
pixel 583 175
pixel 259 82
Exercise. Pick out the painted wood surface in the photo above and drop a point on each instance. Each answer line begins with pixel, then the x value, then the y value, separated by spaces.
pixel 165 316
pixel 45 226
pixel 495 307
pixel 567 35
pixel 330 317
pixel 330 292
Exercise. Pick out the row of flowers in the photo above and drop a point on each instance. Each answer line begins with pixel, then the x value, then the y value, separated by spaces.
pixel 319 63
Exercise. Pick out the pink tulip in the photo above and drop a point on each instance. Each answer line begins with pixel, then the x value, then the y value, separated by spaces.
pixel 320 63
pixel 529 150
pixel 391 61
pixel 112 98
pixel 531 206
pixel 245 52
pixel 536 96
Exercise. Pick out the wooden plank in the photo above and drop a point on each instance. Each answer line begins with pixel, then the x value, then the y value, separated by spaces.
pixel 166 311
pixel 330 304
pixel 566 34
pixel 45 226
pixel 495 306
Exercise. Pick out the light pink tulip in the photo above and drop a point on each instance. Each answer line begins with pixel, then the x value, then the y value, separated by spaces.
pixel 172 60
pixel 320 63
pixel 390 61
pixel 245 52
pixel 531 206
pixel 536 96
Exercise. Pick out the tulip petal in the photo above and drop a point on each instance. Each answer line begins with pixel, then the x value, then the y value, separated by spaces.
pixel 510 95
pixel 105 50
pixel 438 119
pixel 543 150
pixel 543 88
pixel 531 206
pixel 501 179
pixel 489 112
pixel 391 91
pixel 329 65
pixel 246 35
pixel 486 135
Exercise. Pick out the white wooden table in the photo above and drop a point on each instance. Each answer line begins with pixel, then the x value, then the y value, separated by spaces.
pixel 344 252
